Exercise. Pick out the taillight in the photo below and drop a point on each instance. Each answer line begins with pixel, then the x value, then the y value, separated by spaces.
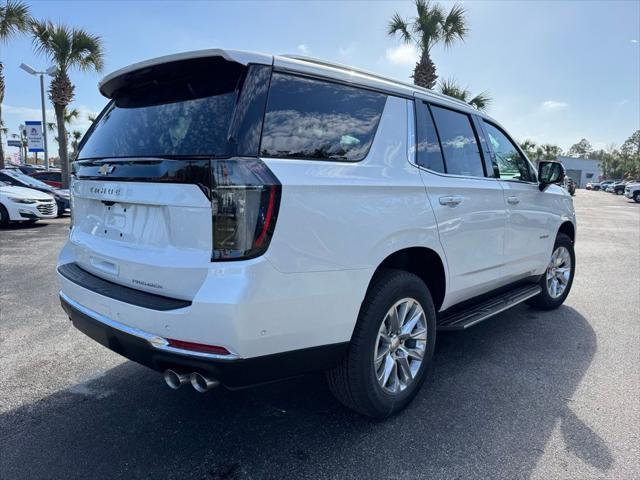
pixel 244 203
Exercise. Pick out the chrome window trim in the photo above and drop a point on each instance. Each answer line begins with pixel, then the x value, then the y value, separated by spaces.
pixel 411 132
pixel 155 341
pixel 412 139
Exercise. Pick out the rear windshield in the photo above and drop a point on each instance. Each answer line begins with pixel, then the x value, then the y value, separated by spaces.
pixel 169 110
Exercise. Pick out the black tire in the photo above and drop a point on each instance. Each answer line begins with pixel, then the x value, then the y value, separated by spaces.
pixel 4 216
pixel 544 300
pixel 636 197
pixel 354 381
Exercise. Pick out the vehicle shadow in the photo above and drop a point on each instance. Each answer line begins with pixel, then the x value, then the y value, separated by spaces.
pixel 23 225
pixel 499 392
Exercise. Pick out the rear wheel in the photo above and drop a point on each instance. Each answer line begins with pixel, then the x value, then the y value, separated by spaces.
pixel 557 280
pixel 391 348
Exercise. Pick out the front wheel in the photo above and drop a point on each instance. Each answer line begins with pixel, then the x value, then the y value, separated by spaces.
pixel 391 347
pixel 4 215
pixel 636 197
pixel 557 280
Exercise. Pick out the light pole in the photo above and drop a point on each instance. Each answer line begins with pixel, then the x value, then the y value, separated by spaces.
pixel 51 72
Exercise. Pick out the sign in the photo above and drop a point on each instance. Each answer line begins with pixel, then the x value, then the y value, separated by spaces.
pixel 14 143
pixel 34 136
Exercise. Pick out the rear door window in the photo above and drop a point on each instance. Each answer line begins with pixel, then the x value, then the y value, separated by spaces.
pixel 459 142
pixel 314 119
pixel 429 154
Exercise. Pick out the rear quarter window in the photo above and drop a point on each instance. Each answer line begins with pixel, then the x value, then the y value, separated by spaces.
pixel 313 119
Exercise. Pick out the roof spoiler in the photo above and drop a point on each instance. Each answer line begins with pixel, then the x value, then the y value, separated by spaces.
pixel 111 82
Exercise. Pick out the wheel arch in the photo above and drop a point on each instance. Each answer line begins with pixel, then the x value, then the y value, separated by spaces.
pixel 423 262
pixel 568 229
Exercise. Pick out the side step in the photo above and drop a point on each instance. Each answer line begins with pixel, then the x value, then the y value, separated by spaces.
pixel 461 320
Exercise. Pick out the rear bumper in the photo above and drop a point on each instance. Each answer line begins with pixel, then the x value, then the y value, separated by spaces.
pixel 232 371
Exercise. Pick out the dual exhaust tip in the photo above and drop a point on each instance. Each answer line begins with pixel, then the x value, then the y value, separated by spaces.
pixel 202 383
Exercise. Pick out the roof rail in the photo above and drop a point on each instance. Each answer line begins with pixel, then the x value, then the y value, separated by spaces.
pixel 368 73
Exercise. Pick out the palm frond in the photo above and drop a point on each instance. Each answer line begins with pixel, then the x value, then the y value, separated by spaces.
pixel 481 101
pixel 71 115
pixel 399 25
pixel 454 26
pixel 428 24
pixel 68 48
pixel 14 19
pixel 86 52
pixel 450 87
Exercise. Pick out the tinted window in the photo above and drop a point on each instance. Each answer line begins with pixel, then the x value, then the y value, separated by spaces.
pixel 179 109
pixel 511 164
pixel 309 118
pixel 459 144
pixel 16 177
pixel 429 153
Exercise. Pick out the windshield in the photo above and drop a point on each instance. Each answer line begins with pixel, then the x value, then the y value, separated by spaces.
pixel 176 110
pixel 26 179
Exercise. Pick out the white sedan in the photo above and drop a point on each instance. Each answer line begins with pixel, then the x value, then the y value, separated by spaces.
pixel 19 204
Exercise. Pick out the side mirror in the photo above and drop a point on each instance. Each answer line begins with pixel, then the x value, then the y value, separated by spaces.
pixel 550 172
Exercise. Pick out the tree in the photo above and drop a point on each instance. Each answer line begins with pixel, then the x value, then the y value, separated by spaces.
pixel 69 117
pixel 430 27
pixel 76 136
pixel 630 156
pixel 451 88
pixel 550 152
pixel 582 149
pixel 67 48
pixel 14 19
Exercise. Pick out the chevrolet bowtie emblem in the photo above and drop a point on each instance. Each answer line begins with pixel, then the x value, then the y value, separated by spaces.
pixel 106 169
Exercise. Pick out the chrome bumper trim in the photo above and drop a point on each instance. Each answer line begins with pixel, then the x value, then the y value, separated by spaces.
pixel 155 341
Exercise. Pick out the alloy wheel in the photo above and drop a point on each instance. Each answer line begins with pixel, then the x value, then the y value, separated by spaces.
pixel 558 272
pixel 400 345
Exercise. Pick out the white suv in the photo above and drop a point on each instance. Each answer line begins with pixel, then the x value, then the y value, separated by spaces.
pixel 241 218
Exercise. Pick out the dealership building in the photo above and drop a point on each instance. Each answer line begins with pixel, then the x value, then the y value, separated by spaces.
pixel 582 170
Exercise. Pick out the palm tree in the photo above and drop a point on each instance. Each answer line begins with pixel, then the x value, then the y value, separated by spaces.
pixel 67 48
pixel 14 19
pixel 69 117
pixel 76 136
pixel 451 88
pixel 430 27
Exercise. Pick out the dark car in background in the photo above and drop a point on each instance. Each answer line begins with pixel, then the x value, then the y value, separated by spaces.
pixel 30 169
pixel 52 177
pixel 14 176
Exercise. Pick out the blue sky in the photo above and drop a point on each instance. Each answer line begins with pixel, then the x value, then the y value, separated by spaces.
pixel 557 71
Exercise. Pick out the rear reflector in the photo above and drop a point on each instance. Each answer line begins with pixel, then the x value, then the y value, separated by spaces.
pixel 198 347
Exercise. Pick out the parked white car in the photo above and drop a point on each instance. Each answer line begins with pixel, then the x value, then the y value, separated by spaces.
pixel 632 190
pixel 19 204
pixel 257 217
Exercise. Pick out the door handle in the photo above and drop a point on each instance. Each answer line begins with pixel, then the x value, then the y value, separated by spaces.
pixel 451 200
pixel 513 200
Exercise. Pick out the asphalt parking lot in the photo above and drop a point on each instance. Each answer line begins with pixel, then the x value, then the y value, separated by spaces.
pixel 550 395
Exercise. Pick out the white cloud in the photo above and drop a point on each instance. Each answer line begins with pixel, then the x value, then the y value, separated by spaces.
pixel 345 53
pixel 634 41
pixel 554 105
pixel 405 54
pixel 304 49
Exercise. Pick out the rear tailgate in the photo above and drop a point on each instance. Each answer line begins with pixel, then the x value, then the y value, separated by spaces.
pixel 154 237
